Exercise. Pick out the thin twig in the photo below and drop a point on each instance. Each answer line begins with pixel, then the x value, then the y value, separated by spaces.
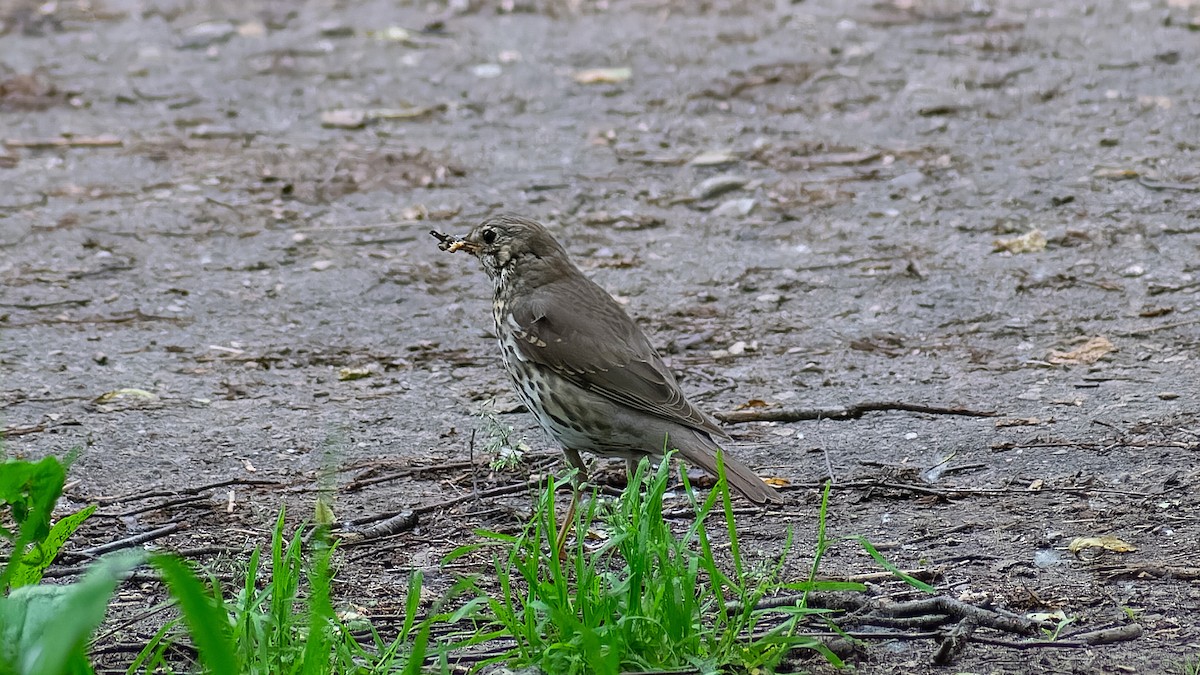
pixel 136 496
pixel 135 540
pixel 190 499
pixel 429 508
pixel 947 493
pixel 841 414
pixel 127 317
pixel 360 483
pixel 21 431
pixel 474 469
pixel 1080 640
pixel 44 305
pixel 1155 570
pixel 1141 332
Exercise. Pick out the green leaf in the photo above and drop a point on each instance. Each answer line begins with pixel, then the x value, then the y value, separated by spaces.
pixel 38 558
pixel 30 491
pixel 44 629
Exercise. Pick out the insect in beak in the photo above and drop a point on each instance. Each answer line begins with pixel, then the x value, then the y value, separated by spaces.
pixel 451 243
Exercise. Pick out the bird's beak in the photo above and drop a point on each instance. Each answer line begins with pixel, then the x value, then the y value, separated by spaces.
pixel 453 243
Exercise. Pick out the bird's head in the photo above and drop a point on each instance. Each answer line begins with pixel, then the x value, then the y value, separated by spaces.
pixel 506 243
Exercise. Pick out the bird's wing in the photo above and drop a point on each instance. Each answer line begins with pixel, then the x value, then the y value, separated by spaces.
pixel 585 336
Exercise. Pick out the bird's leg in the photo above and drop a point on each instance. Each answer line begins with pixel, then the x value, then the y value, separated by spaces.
pixel 577 482
pixel 631 465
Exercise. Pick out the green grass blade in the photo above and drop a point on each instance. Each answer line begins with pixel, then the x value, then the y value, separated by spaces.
pixel 207 622
pixel 420 647
pixel 822 541
pixel 907 578
pixel 322 621
pixel 150 658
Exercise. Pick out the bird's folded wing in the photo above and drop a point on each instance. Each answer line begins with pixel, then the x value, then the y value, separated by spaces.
pixel 612 357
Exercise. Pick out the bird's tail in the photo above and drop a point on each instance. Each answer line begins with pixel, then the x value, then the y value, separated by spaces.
pixel 698 450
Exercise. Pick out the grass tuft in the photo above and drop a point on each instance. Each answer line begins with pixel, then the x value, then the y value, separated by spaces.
pixel 287 626
pixel 632 595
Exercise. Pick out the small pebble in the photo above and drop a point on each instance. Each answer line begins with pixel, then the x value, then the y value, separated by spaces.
pixel 203 35
pixel 487 71
pixel 1047 558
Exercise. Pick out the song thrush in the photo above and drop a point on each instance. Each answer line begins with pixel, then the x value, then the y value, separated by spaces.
pixel 581 365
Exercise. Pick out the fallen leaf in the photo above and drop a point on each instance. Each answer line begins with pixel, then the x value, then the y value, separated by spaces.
pixel 398 113
pixel 1106 542
pixel 1115 173
pixel 126 394
pixel 127 399
pixel 719 185
pixel 344 119
pixel 1089 352
pixel 1163 102
pixel 603 75
pixel 776 481
pixel 357 118
pixel 594 534
pixel 1030 242
pixel 752 403
pixel 347 374
pixel 1047 617
pixel 392 34
pixel 252 29
pixel 734 208
pixel 714 158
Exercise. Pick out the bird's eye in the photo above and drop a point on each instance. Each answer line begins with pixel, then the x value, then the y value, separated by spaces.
pixel 489 236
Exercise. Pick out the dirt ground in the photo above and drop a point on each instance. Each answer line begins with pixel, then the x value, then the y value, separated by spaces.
pixel 810 204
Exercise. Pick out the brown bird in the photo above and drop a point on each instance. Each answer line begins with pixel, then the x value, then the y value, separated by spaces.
pixel 582 366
